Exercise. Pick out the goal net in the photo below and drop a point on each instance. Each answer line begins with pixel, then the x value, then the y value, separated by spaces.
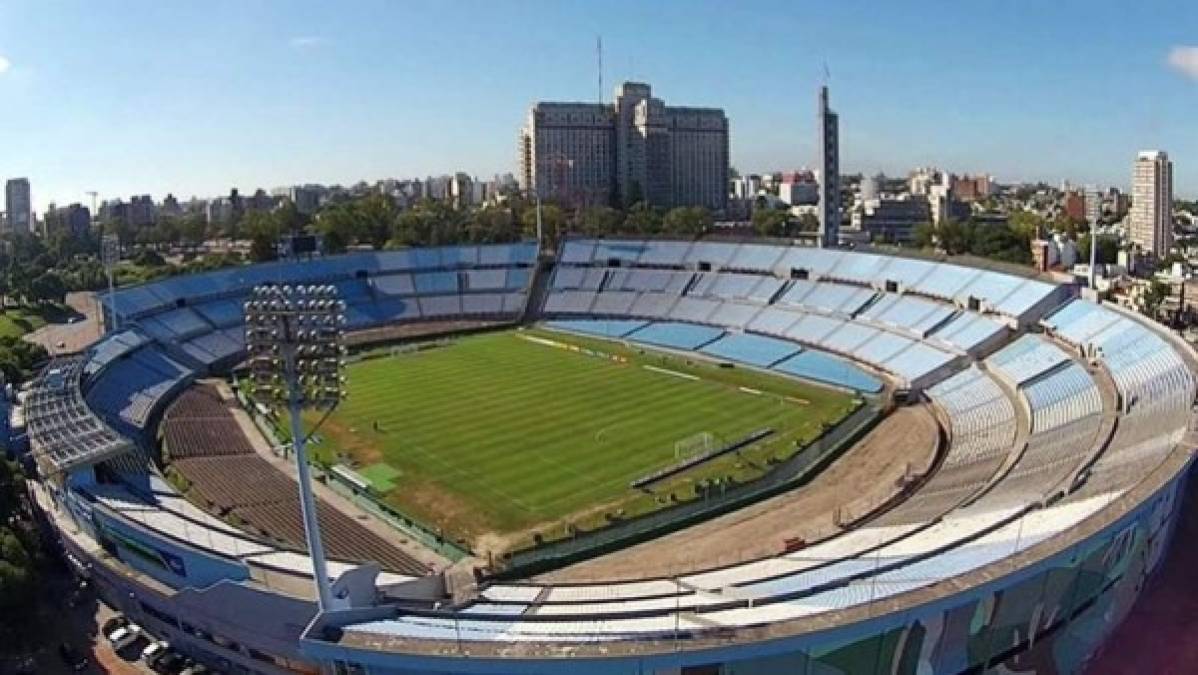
pixel 695 444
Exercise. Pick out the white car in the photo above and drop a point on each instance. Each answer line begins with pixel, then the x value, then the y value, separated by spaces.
pixel 154 649
pixel 124 636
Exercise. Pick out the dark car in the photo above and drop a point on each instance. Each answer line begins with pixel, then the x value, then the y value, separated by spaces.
pixel 170 664
pixel 118 621
pixel 72 657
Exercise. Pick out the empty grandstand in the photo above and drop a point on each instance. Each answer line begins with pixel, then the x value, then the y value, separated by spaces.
pixel 1064 426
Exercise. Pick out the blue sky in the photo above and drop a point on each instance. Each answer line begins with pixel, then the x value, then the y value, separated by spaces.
pixel 197 97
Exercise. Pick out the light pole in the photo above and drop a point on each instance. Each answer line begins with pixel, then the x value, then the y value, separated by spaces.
pixel 110 255
pixel 293 335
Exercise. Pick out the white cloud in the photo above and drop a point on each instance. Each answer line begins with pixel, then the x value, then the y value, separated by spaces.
pixel 304 42
pixel 5 64
pixel 1184 60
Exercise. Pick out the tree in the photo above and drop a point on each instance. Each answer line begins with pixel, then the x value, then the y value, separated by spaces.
pixel 193 230
pixel 18 559
pixel 600 220
pixel 771 222
pixel 1108 249
pixel 264 234
pixel 48 287
pixel 954 237
pixel 1152 298
pixel 642 219
pixel 690 221
pixel 375 215
pixel 1026 223
pixel 999 242
pixel 553 221
pixel 923 235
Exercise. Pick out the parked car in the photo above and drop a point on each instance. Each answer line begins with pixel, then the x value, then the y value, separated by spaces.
pixel 170 664
pixel 154 650
pixel 74 659
pixel 113 623
pixel 124 636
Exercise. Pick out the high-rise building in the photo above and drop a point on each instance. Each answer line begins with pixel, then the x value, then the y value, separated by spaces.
pixel 18 206
pixel 890 220
pixel 636 149
pixel 1152 202
pixel 1074 206
pixel 829 166
pixel 74 219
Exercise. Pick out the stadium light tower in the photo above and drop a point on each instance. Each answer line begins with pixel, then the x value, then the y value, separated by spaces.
pixel 294 335
pixel 110 256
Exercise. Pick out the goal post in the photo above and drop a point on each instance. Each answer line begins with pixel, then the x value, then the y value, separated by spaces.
pixel 695 444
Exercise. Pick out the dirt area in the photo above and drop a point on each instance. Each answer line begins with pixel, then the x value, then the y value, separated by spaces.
pixel 868 475
pixel 78 334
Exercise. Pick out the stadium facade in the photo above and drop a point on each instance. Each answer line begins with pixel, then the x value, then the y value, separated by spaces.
pixel 1053 499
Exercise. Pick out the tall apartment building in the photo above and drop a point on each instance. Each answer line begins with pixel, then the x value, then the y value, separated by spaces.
pixel 636 149
pixel 18 206
pixel 829 165
pixel 1152 202
pixel 74 219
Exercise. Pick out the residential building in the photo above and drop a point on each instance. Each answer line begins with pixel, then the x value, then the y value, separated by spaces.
pixel 921 180
pixel 141 211
pixel 829 168
pixel 170 207
pixel 799 192
pixel 1151 226
pixel 1073 206
pixel 635 149
pixel 305 197
pixel 219 211
pixel 74 219
pixel 18 206
pixel 746 187
pixel 969 188
pixel 436 187
pixel 461 190
pixel 890 220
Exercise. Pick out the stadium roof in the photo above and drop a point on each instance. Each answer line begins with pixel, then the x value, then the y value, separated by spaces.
pixel 63 431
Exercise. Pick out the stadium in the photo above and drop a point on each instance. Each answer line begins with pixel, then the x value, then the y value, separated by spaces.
pixel 629 456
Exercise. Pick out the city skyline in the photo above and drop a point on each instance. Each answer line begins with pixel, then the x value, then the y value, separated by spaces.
pixel 157 101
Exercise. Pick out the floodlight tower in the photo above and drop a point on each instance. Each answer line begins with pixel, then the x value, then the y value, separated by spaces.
pixel 110 255
pixel 294 337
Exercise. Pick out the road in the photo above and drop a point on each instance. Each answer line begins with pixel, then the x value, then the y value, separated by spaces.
pixel 74 336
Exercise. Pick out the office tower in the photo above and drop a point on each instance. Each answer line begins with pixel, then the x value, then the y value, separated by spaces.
pixel 18 206
pixel 829 163
pixel 635 149
pixel 1152 202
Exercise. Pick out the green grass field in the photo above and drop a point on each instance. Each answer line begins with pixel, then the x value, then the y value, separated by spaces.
pixel 496 434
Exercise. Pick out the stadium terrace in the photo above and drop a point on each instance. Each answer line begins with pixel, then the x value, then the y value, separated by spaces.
pixel 1056 450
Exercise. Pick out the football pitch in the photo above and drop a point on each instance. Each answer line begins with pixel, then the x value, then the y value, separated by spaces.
pixel 501 434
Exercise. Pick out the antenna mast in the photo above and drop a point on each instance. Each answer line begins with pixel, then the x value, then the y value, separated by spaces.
pixel 599 54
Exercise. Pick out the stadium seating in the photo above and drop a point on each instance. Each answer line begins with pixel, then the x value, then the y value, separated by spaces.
pixel 603 327
pixel 676 335
pixel 813 365
pixel 967 332
pixel 133 386
pixel 754 350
